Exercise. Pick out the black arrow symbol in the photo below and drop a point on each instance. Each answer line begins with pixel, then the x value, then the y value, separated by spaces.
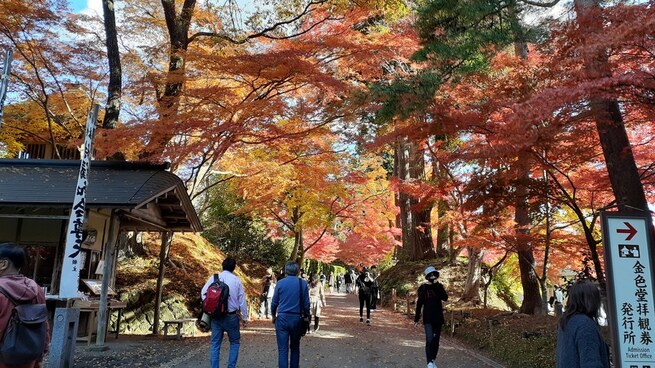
pixel 631 231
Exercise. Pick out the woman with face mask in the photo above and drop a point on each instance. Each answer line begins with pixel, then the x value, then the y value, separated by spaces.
pixel 430 297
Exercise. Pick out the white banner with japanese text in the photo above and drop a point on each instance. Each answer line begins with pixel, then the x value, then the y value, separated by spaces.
pixel 70 270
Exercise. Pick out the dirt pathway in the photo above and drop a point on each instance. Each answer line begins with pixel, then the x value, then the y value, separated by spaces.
pixel 342 341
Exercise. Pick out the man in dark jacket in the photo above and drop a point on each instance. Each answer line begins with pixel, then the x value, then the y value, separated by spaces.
pixel 18 287
pixel 430 298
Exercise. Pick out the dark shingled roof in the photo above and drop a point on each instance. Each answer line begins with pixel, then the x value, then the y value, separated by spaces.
pixel 114 184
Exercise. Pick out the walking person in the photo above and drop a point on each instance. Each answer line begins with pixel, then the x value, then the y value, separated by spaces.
pixel 579 343
pixel 290 302
pixel 339 282
pixel 331 278
pixel 17 289
pixel 230 322
pixel 375 290
pixel 349 282
pixel 316 300
pixel 353 277
pixel 365 286
pixel 267 294
pixel 430 297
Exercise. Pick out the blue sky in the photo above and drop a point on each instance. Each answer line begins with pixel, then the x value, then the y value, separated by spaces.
pixel 86 6
pixel 78 5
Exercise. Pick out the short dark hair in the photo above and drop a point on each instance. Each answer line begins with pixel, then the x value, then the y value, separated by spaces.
pixel 291 268
pixel 584 298
pixel 14 253
pixel 229 264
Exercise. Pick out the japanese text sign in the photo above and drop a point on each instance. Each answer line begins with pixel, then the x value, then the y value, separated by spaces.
pixel 70 270
pixel 629 270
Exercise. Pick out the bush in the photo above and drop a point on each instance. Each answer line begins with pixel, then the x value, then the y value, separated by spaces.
pixel 517 340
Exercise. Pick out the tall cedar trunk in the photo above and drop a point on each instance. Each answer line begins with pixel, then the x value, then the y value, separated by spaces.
pixel 472 286
pixel 166 239
pixel 531 303
pixel 178 33
pixel 114 90
pixel 414 215
pixel 621 166
pixel 441 230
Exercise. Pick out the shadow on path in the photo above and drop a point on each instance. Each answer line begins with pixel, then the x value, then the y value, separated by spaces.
pixel 342 341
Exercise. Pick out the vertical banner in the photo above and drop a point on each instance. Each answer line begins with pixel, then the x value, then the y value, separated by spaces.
pixel 4 81
pixel 629 270
pixel 70 270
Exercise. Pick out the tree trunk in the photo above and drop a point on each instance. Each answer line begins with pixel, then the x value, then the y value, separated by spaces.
pixel 166 239
pixel 414 215
pixel 472 286
pixel 621 166
pixel 114 91
pixel 297 252
pixel 178 33
pixel 442 231
pixel 529 280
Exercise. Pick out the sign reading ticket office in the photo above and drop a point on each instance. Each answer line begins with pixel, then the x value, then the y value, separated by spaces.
pixel 629 269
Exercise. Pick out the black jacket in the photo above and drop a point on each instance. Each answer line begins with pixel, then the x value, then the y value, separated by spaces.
pixel 365 287
pixel 430 297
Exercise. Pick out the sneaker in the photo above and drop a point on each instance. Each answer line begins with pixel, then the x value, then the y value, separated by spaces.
pixel 361 319
pixel 316 328
pixel 309 332
pixel 368 322
pixel 431 365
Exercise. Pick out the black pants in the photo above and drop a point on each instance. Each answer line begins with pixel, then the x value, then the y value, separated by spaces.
pixel 374 298
pixel 365 298
pixel 432 336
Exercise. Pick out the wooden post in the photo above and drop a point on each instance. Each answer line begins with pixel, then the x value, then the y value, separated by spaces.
pixel 106 275
pixel 166 239
pixel 394 299
pixel 407 300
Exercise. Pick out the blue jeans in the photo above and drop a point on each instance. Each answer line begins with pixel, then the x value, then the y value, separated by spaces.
pixel 287 332
pixel 229 324
pixel 432 337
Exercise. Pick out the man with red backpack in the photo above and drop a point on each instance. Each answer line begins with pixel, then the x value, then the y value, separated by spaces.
pixel 22 343
pixel 225 318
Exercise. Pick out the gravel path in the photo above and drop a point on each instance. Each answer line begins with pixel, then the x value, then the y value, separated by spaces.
pixel 342 342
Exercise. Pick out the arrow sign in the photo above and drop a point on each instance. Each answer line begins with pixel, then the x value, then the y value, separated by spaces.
pixel 631 231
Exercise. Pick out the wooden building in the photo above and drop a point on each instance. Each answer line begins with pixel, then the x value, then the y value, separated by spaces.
pixel 36 198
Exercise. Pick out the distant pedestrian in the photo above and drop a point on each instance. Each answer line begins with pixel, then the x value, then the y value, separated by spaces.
pixel 339 282
pixel 17 289
pixel 375 290
pixel 579 343
pixel 430 297
pixel 365 286
pixel 353 277
pixel 349 282
pixel 331 278
pixel 230 322
pixel 323 278
pixel 266 298
pixel 559 301
pixel 303 275
pixel 316 299
pixel 286 307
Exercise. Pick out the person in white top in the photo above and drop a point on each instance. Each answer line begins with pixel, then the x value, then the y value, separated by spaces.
pixel 229 323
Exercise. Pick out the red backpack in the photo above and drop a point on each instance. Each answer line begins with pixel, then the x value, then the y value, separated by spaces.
pixel 215 303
